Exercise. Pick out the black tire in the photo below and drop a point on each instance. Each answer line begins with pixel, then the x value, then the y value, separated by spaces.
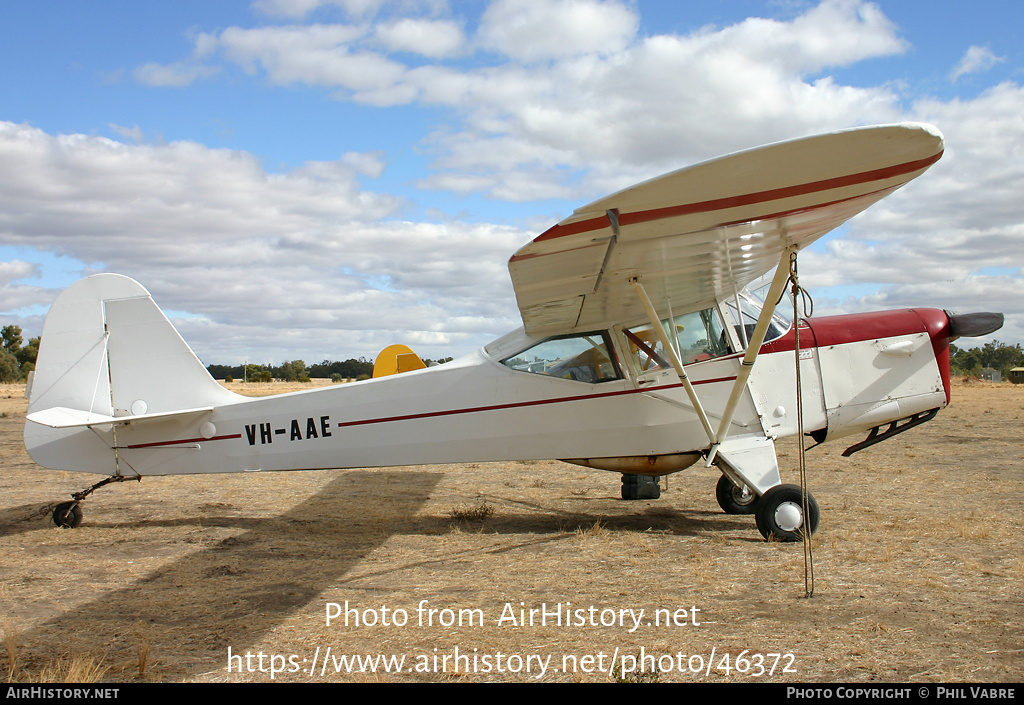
pixel 780 516
pixel 67 515
pixel 640 487
pixel 732 499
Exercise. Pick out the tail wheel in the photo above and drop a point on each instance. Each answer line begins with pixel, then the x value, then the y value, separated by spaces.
pixel 780 514
pixel 733 499
pixel 68 515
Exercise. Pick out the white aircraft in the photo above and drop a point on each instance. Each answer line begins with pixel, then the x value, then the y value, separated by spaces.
pixel 637 353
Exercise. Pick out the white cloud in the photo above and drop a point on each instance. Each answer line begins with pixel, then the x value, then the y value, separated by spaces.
pixel 368 163
pixel 176 75
pixel 563 99
pixel 16 269
pixel 834 33
pixel 133 133
pixel 324 55
pixel 309 254
pixel 538 30
pixel 947 239
pixel 297 9
pixel 662 102
pixel 431 38
pixel 975 60
pixel 15 294
pixel 603 98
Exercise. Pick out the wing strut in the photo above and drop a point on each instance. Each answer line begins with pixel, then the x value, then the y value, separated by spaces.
pixel 753 349
pixel 673 356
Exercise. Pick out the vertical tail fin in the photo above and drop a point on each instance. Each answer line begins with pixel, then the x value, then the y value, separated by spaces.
pixel 107 349
pixel 396 359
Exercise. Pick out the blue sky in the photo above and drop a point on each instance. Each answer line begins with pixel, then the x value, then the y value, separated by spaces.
pixel 321 178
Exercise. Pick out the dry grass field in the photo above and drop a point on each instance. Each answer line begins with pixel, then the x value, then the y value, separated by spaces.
pixel 918 570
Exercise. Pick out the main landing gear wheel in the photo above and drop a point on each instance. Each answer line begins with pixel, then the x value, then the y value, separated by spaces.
pixel 733 499
pixel 68 515
pixel 780 514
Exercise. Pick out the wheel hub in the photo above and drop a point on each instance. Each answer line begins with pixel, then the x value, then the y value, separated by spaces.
pixel 789 516
pixel 743 495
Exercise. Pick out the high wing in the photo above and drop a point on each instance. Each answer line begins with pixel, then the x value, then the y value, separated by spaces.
pixel 697 235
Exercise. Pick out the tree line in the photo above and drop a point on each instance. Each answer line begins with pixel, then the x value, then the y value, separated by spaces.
pixel 299 371
pixel 969 362
pixel 294 371
pixel 963 362
pixel 16 360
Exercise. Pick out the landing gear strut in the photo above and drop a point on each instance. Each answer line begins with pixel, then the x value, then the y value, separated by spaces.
pixel 68 515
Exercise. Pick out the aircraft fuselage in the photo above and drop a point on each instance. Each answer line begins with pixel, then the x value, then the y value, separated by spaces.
pixel 858 372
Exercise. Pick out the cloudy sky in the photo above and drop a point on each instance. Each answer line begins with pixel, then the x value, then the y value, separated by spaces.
pixel 321 178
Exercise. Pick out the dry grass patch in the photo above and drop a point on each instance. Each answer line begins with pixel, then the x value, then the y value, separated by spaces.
pixel 74 669
pixel 472 514
pixel 919 575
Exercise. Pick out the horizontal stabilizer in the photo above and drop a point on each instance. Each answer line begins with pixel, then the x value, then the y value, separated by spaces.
pixel 62 417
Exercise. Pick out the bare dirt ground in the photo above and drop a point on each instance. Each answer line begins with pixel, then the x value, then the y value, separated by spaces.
pixel 918 569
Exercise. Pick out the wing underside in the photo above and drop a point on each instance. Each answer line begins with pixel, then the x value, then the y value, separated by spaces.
pixel 697 235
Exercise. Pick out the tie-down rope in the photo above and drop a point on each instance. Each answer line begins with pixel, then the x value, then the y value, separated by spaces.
pixel 800 295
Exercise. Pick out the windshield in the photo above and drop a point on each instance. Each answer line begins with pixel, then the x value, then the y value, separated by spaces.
pixel 583 358
pixel 743 311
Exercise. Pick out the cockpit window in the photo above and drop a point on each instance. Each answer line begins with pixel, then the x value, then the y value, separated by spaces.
pixel 583 358
pixel 744 311
pixel 697 336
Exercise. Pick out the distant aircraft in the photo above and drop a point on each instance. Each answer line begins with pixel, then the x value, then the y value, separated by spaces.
pixel 640 352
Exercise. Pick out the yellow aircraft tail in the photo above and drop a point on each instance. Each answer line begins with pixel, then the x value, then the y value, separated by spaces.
pixel 396 359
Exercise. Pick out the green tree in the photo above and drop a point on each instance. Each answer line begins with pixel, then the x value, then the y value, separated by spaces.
pixel 998 356
pixel 292 371
pixel 11 336
pixel 10 370
pixel 258 373
pixel 28 354
pixel 16 361
pixel 286 372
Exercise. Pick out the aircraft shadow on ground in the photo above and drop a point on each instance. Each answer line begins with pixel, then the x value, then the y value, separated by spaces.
pixel 235 591
pixel 232 593
pixel 26 518
pixel 637 515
